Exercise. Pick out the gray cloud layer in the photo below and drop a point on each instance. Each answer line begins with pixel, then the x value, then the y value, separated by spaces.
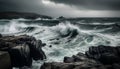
pixel 93 4
pixel 20 5
pixel 85 8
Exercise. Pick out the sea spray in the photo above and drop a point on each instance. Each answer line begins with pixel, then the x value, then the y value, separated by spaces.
pixel 65 38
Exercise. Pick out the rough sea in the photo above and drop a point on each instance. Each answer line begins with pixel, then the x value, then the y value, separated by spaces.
pixel 65 37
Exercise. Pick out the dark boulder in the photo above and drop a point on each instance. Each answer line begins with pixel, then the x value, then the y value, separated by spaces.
pixel 104 54
pixel 35 46
pixel 20 56
pixel 76 58
pixel 36 51
pixel 68 59
pixel 22 49
pixel 0 35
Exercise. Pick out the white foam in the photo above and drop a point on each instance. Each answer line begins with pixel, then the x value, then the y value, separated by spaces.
pixel 65 46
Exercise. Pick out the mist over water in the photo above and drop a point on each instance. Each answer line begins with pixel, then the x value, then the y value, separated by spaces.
pixel 65 38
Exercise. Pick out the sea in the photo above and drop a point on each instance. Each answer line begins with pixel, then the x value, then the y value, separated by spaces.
pixel 65 37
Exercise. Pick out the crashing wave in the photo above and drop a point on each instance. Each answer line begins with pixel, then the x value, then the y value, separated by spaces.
pixel 65 38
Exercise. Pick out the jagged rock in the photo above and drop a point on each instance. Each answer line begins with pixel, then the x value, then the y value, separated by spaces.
pixel 104 54
pixel 100 57
pixel 20 56
pixel 75 65
pixel 36 51
pixel 79 61
pixel 76 58
pixel 22 49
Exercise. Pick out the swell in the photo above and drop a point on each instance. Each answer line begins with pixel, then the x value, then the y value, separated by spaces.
pixel 66 38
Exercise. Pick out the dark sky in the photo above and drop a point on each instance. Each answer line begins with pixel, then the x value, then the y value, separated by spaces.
pixel 67 8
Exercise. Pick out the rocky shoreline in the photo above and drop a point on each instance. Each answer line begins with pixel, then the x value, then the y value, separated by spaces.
pixel 101 57
pixel 19 51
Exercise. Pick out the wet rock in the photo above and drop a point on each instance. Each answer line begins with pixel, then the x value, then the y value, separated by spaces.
pixel 22 49
pixel 34 45
pixel 50 46
pixel 20 56
pixel 68 59
pixel 36 51
pixel 57 39
pixel 0 35
pixel 76 58
pixel 79 61
pixel 100 57
pixel 43 44
pixel 75 65
pixel 104 54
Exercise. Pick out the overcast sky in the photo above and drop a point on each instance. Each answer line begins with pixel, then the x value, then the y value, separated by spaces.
pixel 67 8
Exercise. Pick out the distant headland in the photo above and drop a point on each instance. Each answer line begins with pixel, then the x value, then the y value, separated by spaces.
pixel 26 15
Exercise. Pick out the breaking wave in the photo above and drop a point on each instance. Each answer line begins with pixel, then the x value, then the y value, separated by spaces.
pixel 65 38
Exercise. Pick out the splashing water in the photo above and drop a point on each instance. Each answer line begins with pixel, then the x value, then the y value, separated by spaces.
pixel 65 38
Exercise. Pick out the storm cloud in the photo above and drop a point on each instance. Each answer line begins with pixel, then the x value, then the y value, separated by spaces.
pixel 12 5
pixel 67 8
pixel 92 4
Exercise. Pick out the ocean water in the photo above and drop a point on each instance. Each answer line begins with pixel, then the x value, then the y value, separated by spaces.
pixel 65 37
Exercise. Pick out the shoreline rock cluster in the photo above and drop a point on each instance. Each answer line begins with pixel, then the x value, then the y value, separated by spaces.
pixel 18 51
pixel 100 57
